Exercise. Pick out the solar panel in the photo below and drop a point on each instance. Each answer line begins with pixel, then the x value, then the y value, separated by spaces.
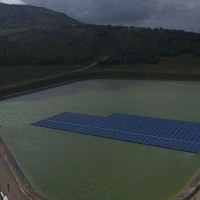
pixel 153 129
pixel 155 120
pixel 58 125
pixel 75 118
pixel 177 135
pixel 143 139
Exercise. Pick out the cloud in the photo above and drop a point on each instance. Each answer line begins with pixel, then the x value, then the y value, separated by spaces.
pixel 179 14
pixel 12 2
pixel 175 14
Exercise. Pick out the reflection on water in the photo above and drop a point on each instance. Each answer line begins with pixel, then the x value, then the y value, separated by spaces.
pixel 64 165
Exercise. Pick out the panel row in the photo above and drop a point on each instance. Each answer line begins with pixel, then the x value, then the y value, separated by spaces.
pixel 159 130
pixel 152 129
pixel 134 118
pixel 75 118
pixel 58 125
pixel 142 139
pixel 113 134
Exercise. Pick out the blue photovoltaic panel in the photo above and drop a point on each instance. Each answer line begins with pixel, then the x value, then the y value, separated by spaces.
pixel 134 118
pixel 142 139
pixel 97 132
pixel 74 118
pixel 177 135
pixel 58 125
pixel 152 129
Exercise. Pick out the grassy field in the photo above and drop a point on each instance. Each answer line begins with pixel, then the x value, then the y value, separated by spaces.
pixel 177 65
pixel 181 64
pixel 17 74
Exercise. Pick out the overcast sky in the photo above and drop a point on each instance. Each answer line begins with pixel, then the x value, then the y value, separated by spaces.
pixel 175 14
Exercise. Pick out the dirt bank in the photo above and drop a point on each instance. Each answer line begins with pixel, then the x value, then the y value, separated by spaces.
pixel 55 81
pixel 10 173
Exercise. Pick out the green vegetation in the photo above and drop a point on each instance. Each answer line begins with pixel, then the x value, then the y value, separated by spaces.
pixel 12 75
pixel 72 45
pixel 32 35
pixel 178 64
pixel 35 37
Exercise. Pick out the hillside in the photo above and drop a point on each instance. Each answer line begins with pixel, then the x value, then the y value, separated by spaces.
pixel 18 16
pixel 37 36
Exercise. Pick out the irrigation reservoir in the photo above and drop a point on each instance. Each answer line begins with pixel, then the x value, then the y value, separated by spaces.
pixel 65 165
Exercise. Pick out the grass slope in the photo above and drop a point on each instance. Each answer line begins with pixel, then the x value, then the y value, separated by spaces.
pixel 186 66
pixel 34 36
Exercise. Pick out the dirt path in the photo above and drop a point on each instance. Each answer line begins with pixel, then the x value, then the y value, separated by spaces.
pixel 52 76
pixel 197 196
pixel 6 177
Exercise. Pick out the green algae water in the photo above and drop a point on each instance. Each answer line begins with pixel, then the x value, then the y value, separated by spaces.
pixel 69 166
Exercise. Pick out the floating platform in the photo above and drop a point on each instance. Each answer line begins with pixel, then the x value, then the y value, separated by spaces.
pixel 164 133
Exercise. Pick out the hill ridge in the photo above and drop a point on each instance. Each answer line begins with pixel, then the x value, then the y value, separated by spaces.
pixel 25 16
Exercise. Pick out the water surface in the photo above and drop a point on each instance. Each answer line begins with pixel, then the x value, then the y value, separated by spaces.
pixel 63 165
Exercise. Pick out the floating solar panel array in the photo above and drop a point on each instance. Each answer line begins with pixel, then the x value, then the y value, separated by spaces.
pixel 171 134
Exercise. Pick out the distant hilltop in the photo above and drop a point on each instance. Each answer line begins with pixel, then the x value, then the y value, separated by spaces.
pixel 32 35
pixel 25 16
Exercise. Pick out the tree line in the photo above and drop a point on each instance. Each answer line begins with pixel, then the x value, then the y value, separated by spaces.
pixel 80 44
